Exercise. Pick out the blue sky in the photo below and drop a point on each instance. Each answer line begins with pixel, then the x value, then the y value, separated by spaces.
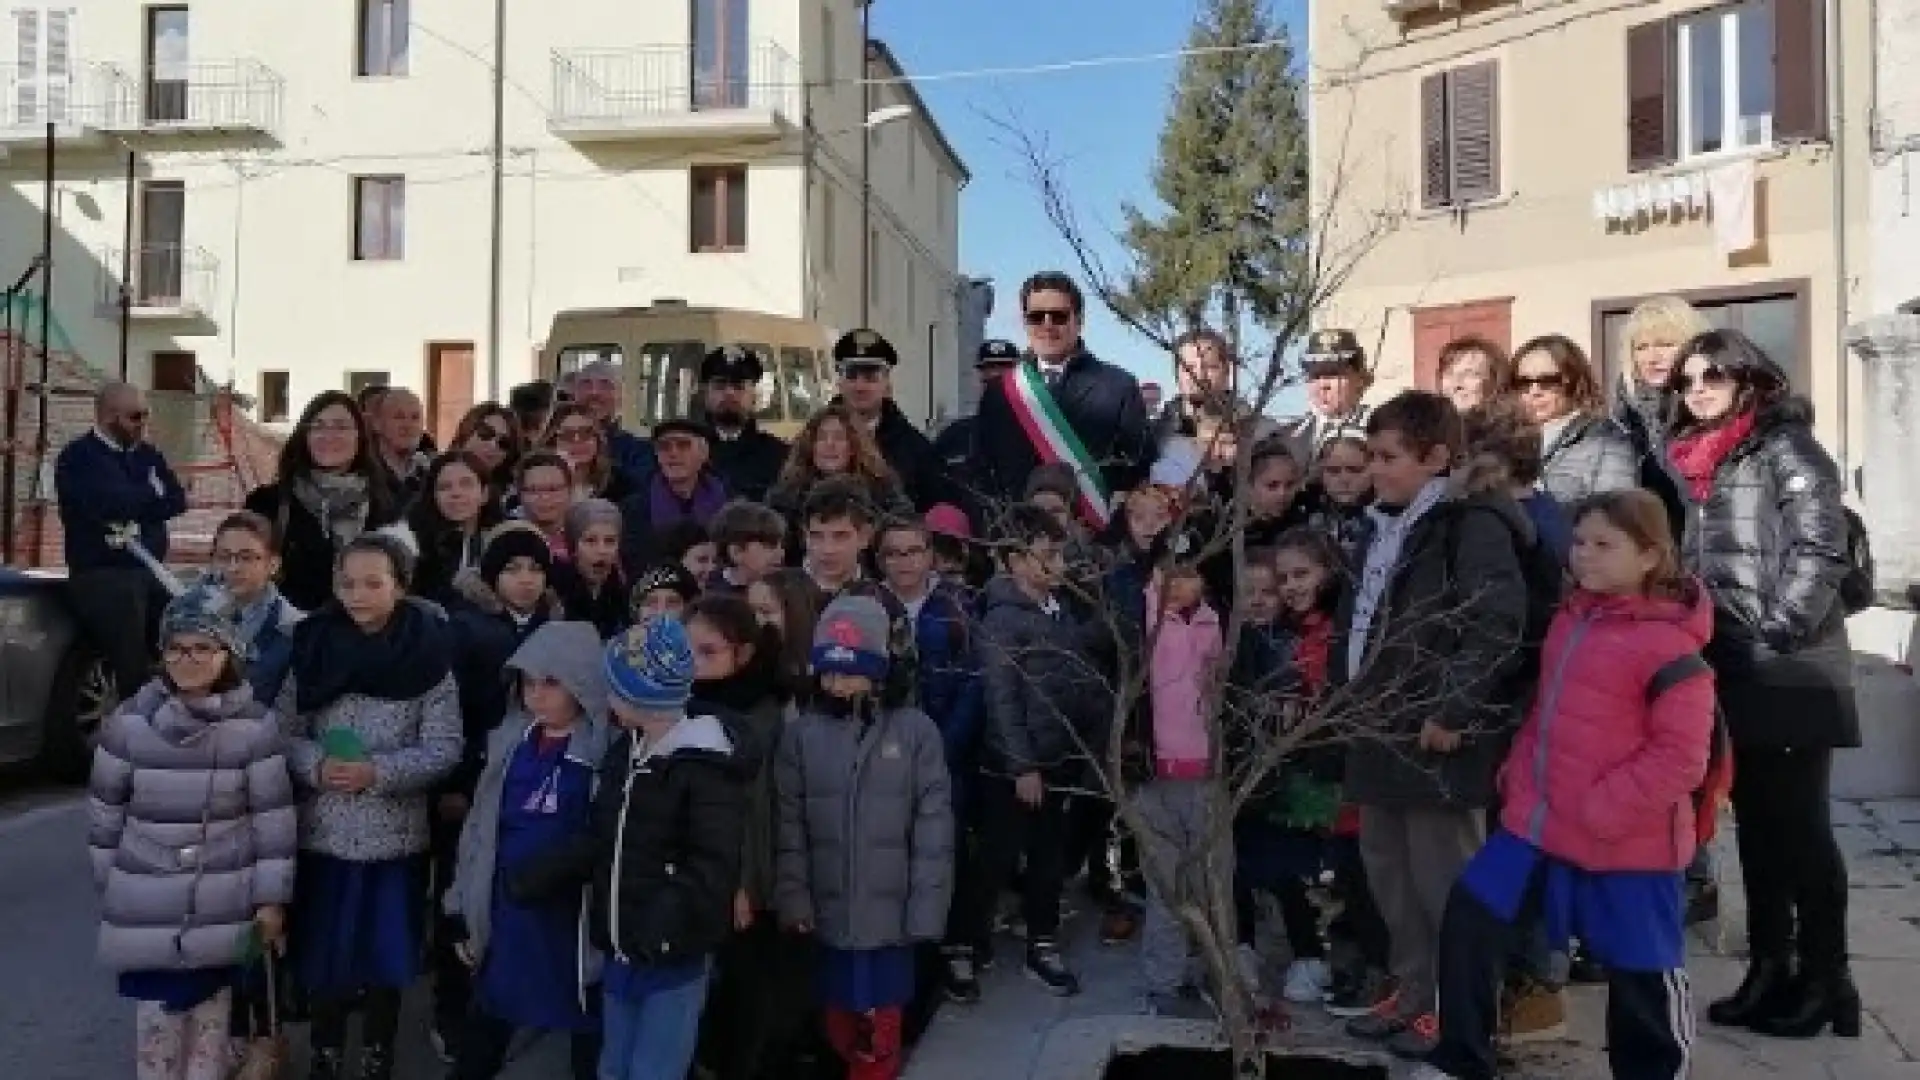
pixel 1103 122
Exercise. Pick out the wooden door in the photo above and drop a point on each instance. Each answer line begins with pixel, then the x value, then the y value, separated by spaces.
pixel 1434 327
pixel 449 387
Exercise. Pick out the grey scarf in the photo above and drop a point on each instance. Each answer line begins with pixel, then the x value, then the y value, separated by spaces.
pixel 338 501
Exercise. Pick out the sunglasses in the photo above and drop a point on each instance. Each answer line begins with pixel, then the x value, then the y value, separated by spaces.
pixel 1048 317
pixel 1524 383
pixel 864 373
pixel 135 416
pixel 576 434
pixel 488 434
pixel 1713 375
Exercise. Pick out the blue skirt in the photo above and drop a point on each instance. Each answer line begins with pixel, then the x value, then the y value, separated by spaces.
pixel 176 991
pixel 861 980
pixel 358 924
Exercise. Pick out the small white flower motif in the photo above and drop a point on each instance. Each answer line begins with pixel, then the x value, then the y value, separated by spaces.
pixel 1797 484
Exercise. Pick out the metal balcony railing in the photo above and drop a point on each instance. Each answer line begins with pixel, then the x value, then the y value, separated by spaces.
pixel 594 87
pixel 219 95
pixel 165 278
pixel 78 100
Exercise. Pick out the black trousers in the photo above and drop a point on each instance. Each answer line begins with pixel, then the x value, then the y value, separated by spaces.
pixel 1010 828
pixel 1649 1013
pixel 761 1013
pixel 379 1018
pixel 484 1042
pixel 1298 917
pixel 1790 865
pixel 452 981
pixel 1090 829
pixel 1359 922
pixel 118 608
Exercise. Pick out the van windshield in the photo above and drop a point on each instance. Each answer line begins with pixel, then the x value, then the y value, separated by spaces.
pixel 667 375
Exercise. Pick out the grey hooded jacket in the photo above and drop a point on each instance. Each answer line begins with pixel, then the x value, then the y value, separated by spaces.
pixel 1590 455
pixel 566 651
pixel 865 828
pixel 193 828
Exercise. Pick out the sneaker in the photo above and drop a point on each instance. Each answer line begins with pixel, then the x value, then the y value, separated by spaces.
pixel 1534 1013
pixel 960 981
pixel 1363 996
pixel 1416 1038
pixel 1583 969
pixel 1307 981
pixel 1045 967
pixel 1118 925
pixel 1380 1022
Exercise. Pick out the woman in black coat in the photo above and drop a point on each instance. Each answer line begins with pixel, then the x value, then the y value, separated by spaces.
pixel 1767 533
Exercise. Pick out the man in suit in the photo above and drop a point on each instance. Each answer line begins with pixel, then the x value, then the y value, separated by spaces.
pixel 1337 378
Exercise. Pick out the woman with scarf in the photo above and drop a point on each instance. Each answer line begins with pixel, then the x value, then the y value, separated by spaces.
pixel 331 489
pixel 1767 532
pixel 683 488
pixel 371 717
pixel 834 444
pixel 450 520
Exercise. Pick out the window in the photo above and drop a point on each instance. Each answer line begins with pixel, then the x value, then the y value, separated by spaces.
pixel 43 74
pixel 359 381
pixel 574 357
pixel 669 373
pixel 1742 75
pixel 719 208
pixel 721 64
pixel 379 218
pixel 382 48
pixel 166 65
pixel 1460 135
pixel 176 372
pixel 800 382
pixel 1776 315
pixel 275 405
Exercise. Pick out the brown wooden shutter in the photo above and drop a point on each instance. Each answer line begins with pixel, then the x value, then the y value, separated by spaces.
pixel 1435 144
pixel 1800 70
pixel 1650 95
pixel 1473 99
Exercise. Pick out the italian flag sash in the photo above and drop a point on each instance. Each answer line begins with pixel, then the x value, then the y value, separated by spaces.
pixel 1054 439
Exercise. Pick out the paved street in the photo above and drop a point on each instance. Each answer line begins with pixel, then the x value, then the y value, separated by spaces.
pixel 60 1018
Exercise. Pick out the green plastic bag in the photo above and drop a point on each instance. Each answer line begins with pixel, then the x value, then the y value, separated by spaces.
pixel 1307 803
pixel 343 744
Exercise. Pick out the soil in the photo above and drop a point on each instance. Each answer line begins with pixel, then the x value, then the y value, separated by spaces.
pixel 1185 1063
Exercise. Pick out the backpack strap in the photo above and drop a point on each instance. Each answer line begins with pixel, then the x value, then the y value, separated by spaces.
pixel 1674 672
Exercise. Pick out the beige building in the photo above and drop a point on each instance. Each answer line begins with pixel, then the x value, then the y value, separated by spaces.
pixel 1538 167
pixel 327 195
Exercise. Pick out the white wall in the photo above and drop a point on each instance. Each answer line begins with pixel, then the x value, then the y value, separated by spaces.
pixel 583 225
pixel 1896 173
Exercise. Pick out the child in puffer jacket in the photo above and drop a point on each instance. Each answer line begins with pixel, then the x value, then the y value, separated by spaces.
pixel 865 858
pixel 531 966
pixel 193 839
pixel 1623 744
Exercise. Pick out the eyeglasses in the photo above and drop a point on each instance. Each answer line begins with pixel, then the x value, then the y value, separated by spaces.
pixel 334 427
pixel 487 433
pixel 576 434
pixel 174 654
pixel 1712 375
pixel 238 558
pixel 1524 383
pixel 1049 317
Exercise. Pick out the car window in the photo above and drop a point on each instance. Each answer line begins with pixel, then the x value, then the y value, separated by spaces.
pixel 575 357
pixel 664 385
pixel 801 388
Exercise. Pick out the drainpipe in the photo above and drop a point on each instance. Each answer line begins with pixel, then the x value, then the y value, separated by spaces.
pixel 1837 124
pixel 496 247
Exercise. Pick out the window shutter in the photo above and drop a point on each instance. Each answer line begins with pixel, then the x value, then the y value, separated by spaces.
pixel 1474 123
pixel 26 87
pixel 59 73
pixel 1435 167
pixel 1800 69
pixel 1650 96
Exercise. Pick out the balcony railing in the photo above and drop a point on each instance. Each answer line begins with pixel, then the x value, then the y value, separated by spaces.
pixel 77 103
pixel 663 88
pixel 231 96
pixel 166 281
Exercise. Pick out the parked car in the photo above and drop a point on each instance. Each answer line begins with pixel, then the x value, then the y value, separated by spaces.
pixel 55 688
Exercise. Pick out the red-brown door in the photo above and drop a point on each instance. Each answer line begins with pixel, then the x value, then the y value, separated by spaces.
pixel 449 387
pixel 1434 327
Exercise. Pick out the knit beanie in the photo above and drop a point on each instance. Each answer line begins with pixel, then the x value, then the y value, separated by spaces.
pixel 851 638
pixel 650 666
pixel 206 609
pixel 666 575
pixel 509 541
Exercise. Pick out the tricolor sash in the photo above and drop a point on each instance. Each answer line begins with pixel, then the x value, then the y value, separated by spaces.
pixel 1055 441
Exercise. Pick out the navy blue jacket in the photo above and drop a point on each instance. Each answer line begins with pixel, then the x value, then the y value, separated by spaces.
pixel 100 486
pixel 950 680
pixel 633 457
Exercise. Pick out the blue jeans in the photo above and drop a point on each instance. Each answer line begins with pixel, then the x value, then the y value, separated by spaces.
pixel 653 1037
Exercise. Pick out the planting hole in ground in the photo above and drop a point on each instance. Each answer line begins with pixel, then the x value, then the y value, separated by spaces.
pixel 1187 1063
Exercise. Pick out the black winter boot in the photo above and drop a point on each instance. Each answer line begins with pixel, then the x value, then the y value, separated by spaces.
pixel 1763 992
pixel 1815 1001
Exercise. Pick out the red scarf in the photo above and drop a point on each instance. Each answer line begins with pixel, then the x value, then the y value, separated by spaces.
pixel 1316 646
pixel 1698 456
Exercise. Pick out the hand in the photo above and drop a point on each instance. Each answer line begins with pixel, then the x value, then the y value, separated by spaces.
pixel 801 926
pixel 1437 739
pixel 350 777
pixel 463 951
pixel 1029 788
pixel 271 921
pixel 742 910
pixel 453 807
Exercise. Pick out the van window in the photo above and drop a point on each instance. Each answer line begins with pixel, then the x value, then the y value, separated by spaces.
pixel 575 357
pixel 800 379
pixel 669 372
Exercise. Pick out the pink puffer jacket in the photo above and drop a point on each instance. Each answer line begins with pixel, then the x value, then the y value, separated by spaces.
pixel 1598 777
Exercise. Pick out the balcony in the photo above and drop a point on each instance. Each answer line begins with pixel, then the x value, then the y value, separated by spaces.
pixel 224 97
pixel 1400 9
pixel 168 283
pixel 77 103
pixel 659 93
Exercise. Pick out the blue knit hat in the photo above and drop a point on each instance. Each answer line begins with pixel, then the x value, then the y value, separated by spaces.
pixel 852 638
pixel 206 609
pixel 650 666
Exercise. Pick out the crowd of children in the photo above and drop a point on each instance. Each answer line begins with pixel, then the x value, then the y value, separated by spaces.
pixel 748 804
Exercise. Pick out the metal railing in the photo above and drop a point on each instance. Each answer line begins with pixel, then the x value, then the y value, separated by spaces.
pixel 217 95
pixel 169 277
pixel 30 99
pixel 597 86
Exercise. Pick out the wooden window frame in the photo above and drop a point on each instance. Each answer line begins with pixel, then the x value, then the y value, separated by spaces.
pixel 723 176
pixel 394 58
pixel 366 375
pixel 1453 171
pixel 285 413
pixel 392 246
pixel 1799 290
pixel 732 84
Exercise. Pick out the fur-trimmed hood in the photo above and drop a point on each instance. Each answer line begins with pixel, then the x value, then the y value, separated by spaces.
pixel 468 586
